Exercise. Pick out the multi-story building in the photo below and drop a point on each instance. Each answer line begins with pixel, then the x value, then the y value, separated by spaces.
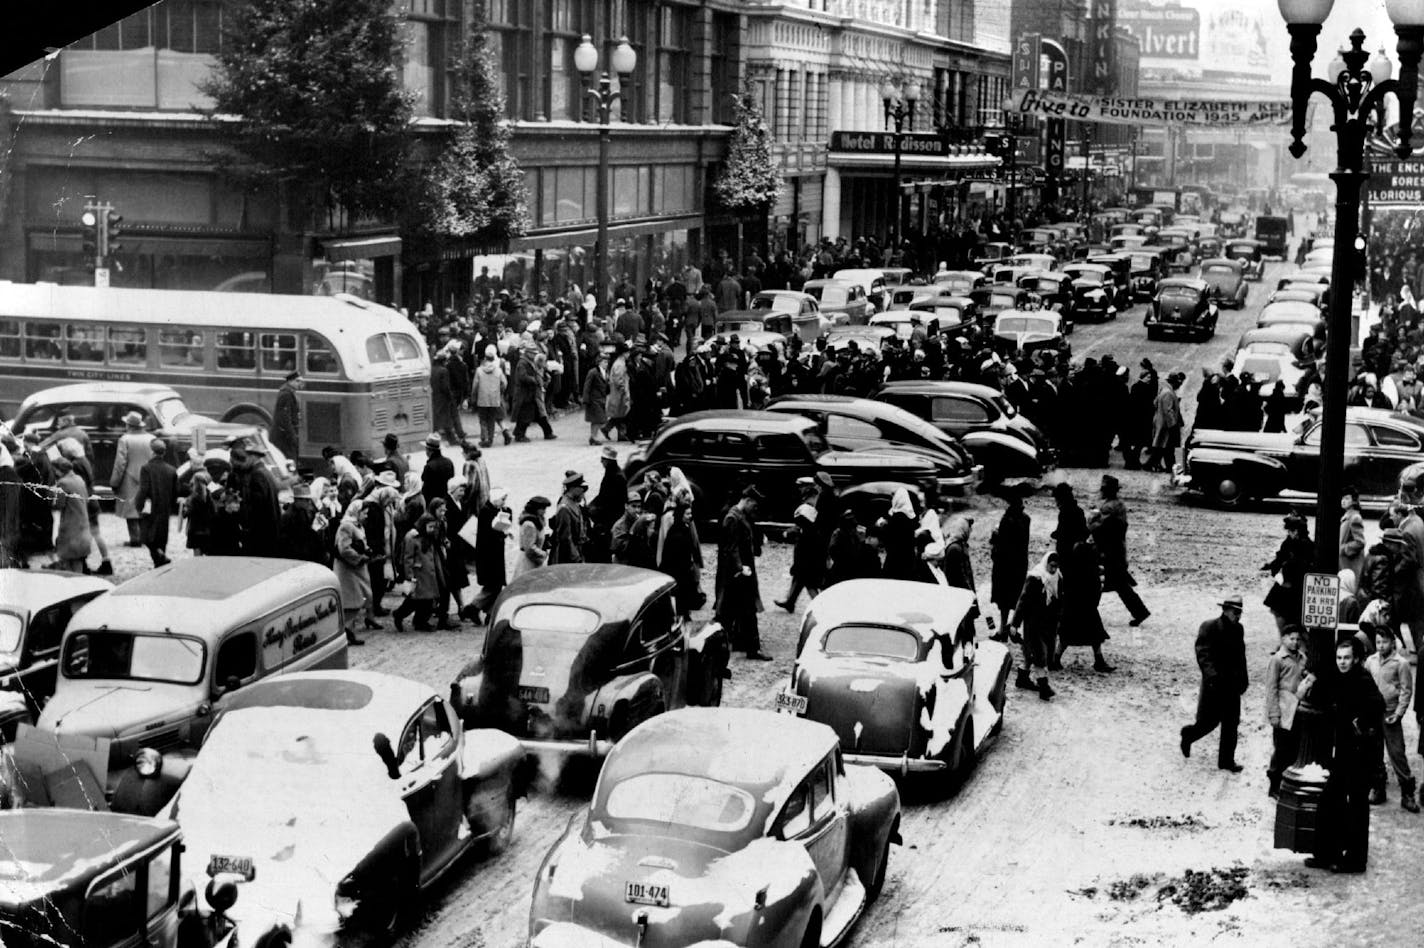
pixel 817 68
pixel 117 116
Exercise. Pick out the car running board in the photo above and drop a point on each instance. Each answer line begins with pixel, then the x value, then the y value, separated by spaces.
pixel 847 908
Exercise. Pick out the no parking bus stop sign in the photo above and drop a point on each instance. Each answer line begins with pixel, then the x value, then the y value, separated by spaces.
pixel 1320 608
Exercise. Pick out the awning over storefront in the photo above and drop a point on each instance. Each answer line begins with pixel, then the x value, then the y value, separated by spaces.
pixel 911 163
pixel 586 234
pixel 361 248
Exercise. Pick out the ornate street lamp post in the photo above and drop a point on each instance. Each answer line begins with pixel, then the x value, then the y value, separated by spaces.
pixel 899 106
pixel 625 60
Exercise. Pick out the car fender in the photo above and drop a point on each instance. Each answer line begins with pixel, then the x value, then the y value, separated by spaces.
pixel 638 689
pixel 1003 455
pixel 709 651
pixel 1265 475
pixel 873 812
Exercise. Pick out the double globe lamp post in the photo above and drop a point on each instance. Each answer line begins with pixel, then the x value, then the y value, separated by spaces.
pixel 624 61
pixel 899 108
pixel 1356 90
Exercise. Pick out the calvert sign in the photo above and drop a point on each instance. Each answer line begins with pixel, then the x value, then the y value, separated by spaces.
pixel 1110 110
pixel 1164 32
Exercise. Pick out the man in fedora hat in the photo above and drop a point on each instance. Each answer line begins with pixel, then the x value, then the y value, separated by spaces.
pixel 738 598
pixel 158 492
pixel 435 476
pixel 570 530
pixel 606 506
pixel 1112 541
pixel 287 416
pixel 134 450
pixel 1221 654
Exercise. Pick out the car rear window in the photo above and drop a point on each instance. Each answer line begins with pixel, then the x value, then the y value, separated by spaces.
pixel 542 617
pixel 873 641
pixel 673 801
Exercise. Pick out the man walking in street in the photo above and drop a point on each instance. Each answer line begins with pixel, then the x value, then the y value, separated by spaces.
pixel 1283 674
pixel 261 511
pixel 158 491
pixel 737 594
pixel 435 476
pixel 1166 425
pixel 1112 542
pixel 570 533
pixel 134 449
pixel 1393 677
pixel 287 416
pixel 1221 655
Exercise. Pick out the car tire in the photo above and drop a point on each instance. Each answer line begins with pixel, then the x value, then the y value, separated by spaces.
pixel 1227 492
pixel 1153 334
pixel 964 766
pixel 811 937
pixel 876 885
pixel 499 841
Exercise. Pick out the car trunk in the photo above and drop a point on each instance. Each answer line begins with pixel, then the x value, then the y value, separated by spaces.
pixel 871 709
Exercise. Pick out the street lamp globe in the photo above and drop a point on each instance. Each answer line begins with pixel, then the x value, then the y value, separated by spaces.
pixel 1335 67
pixel 1405 12
pixel 888 92
pixel 912 92
pixel 625 58
pixel 1309 12
pixel 1381 69
pixel 586 55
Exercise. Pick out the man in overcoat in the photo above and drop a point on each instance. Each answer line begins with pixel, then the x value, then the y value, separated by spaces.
pixel 133 452
pixel 287 416
pixel 158 491
pixel 1221 655
pixel 738 596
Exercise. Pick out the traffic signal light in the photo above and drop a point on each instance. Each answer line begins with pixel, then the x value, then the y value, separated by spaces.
pixel 112 222
pixel 92 231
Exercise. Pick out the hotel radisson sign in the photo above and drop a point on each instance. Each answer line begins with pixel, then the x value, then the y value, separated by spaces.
pixel 883 143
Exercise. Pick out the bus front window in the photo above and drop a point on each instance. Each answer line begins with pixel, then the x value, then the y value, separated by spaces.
pixel 403 346
pixel 376 349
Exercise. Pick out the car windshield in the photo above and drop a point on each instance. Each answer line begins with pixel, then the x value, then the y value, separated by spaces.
pixel 169 411
pixel 873 641
pixel 1088 276
pixel 1018 324
pixel 1221 268
pixel 775 304
pixel 1266 349
pixel 680 801
pixel 11 627
pixel 1142 261
pixel 134 656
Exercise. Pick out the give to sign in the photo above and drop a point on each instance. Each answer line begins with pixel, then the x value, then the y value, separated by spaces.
pixel 1320 608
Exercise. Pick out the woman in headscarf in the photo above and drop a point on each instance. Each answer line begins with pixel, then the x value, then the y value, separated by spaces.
pixel 957 570
pixel 1036 613
pixel 1008 546
pixel 1082 625
pixel 440 511
pixel 74 451
pixel 349 564
pixel 200 509
pixel 1290 565
pixel 679 492
pixel 419 552
pixel 902 554
pixel 1349 604
pixel 71 499
pixel 533 536
pixel 680 555
pixel 494 522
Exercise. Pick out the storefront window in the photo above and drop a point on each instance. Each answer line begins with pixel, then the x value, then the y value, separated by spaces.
pixel 674 64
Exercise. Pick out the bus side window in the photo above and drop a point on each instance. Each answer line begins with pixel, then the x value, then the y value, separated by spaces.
pixel 9 338
pixel 235 351
pixel 279 352
pixel 321 359
pixel 180 348
pixel 86 343
pixel 42 341
pixel 128 346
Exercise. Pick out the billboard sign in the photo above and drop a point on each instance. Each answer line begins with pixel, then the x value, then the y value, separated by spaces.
pixel 1102 53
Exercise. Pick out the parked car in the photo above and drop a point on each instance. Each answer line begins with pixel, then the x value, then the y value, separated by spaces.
pixel 1225 281
pixel 1021 332
pixel 1208 247
pixel 1249 252
pixel 992 252
pixel 1094 292
pixel 952 314
pixel 1312 293
pixel 1178 249
pixel 35 609
pixel 1148 269
pixel 1304 278
pixel 960 282
pixel 897 276
pixel 1291 311
pixel 900 297
pixel 855 424
pixel 1127 229
pixel 840 300
pixel 893 668
pixel 1231 467
pixel 1009 274
pixel 1047 240
pixel 806 316
pixel 721 452
pixel 80 879
pixel 870 338
pixel 1055 290
pixel 1034 261
pixel 751 322
pixel 1120 272
pixel 719 826
pixel 99 409
pixel 1006 444
pixel 871 280
pixel 339 797
pixel 1180 307
pixel 994 300
pixel 1127 243
pixel 579 654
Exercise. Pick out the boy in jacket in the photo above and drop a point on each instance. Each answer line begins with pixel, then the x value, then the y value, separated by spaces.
pixel 1283 674
pixel 1392 676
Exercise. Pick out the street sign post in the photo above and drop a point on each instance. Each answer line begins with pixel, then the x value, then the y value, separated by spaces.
pixel 1320 604
pixel 101 276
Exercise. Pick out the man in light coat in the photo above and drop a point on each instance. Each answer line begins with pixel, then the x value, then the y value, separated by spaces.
pixel 1166 425
pixel 135 449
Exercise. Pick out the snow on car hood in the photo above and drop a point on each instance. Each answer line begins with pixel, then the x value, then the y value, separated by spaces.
pixel 299 791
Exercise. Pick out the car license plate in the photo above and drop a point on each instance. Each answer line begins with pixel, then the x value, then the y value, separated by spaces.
pixel 533 694
pixel 793 704
pixel 234 865
pixel 645 893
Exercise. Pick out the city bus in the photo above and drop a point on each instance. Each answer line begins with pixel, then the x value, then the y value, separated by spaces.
pixel 366 367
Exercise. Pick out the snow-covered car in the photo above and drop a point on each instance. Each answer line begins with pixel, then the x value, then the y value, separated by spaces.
pixel 1021 332
pixel 1225 281
pixel 334 798
pixel 894 669
pixel 578 654
pixel 719 827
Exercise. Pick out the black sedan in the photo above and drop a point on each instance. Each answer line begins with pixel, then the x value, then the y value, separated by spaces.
pixel 1094 292
pixel 1231 467
pixel 723 452
pixel 1006 443
pixel 1226 281
pixel 1180 307
pixel 857 424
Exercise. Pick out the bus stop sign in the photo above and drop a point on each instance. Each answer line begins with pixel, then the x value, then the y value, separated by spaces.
pixel 1320 606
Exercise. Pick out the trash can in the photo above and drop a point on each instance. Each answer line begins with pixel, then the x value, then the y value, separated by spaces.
pixel 1298 807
